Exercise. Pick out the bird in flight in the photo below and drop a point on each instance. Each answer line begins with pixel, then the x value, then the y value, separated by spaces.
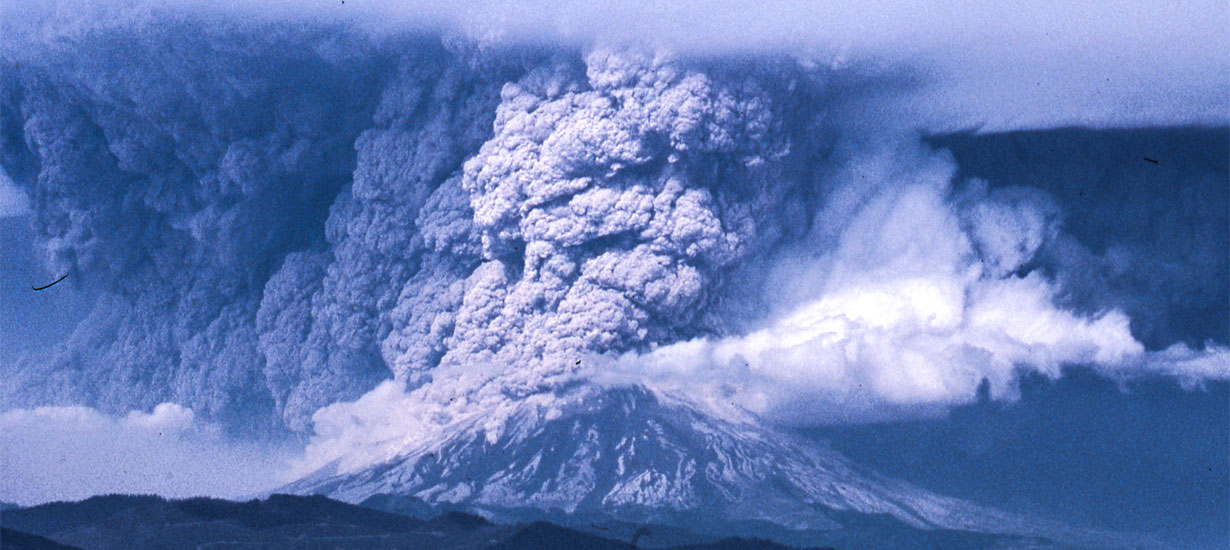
pixel 52 283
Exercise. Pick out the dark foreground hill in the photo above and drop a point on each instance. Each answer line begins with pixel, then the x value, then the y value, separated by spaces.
pixel 283 522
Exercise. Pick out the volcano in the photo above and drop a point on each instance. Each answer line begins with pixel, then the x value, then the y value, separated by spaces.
pixel 603 282
pixel 632 456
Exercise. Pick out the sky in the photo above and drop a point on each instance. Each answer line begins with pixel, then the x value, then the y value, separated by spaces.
pixel 303 223
pixel 165 451
pixel 1001 66
pixel 1146 456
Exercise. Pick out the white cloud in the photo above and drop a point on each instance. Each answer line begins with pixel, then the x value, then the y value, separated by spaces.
pixel 13 202
pixel 69 453
pixel 913 305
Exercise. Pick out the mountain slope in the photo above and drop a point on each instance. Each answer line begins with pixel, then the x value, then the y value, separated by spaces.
pixel 18 540
pixel 633 456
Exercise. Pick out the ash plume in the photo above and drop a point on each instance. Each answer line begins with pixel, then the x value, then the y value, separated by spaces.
pixel 285 214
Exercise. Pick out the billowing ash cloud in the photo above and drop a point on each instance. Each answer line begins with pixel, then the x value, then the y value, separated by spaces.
pixel 174 169
pixel 283 216
pixel 610 203
pixel 591 220
pixel 520 208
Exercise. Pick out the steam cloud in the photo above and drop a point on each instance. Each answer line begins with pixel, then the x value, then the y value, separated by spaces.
pixel 923 296
pixel 284 215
